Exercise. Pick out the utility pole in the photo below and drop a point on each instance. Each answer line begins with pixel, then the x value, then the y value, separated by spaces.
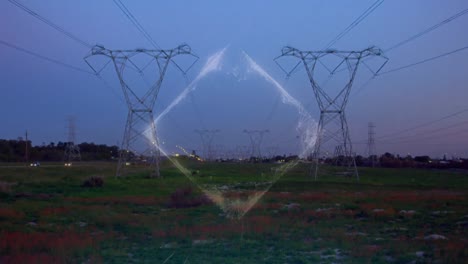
pixel 333 126
pixel 140 142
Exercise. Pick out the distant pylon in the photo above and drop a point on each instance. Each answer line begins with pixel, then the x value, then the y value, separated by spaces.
pixel 272 151
pixel 207 136
pixel 242 152
pixel 256 138
pixel 371 150
pixel 72 151
pixel 26 151
pixel 333 126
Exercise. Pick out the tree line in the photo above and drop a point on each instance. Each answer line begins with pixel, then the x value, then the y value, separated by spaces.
pixel 22 151
pixel 389 160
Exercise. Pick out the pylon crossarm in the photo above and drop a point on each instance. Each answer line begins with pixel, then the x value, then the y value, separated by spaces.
pixel 325 66
pixel 158 53
pixel 339 65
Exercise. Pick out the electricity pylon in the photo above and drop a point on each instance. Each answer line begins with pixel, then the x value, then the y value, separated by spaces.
pixel 333 125
pixel 207 137
pixel 256 138
pixel 26 151
pixel 72 151
pixel 272 151
pixel 242 152
pixel 371 150
pixel 140 142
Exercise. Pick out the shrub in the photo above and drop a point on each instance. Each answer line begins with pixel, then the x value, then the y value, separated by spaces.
pixel 184 198
pixel 5 187
pixel 92 182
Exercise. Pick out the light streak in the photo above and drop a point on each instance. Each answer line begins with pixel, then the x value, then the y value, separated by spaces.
pixel 236 202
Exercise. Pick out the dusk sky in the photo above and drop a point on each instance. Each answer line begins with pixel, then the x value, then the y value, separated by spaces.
pixel 406 105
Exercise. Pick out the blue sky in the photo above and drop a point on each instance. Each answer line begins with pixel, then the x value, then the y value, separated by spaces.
pixel 38 96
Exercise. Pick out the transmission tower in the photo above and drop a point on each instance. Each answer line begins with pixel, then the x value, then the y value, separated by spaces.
pixel 26 151
pixel 338 156
pixel 72 151
pixel 242 152
pixel 332 127
pixel 371 151
pixel 140 142
pixel 256 138
pixel 207 136
pixel 272 151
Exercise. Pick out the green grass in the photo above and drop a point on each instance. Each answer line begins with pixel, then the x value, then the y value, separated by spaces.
pixel 46 216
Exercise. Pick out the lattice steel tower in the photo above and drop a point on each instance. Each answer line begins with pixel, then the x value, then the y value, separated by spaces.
pixel 140 142
pixel 371 150
pixel 207 136
pixel 256 138
pixel 72 151
pixel 333 126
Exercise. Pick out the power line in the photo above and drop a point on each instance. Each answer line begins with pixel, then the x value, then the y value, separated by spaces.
pixel 111 89
pixel 401 43
pixel 421 125
pixel 424 61
pixel 425 133
pixel 363 86
pixel 358 20
pixel 44 57
pixel 408 66
pixel 135 22
pixel 148 37
pixel 453 133
pixel 61 64
pixel 50 23
pixel 406 41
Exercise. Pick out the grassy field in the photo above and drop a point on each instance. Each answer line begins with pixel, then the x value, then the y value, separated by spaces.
pixel 390 216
